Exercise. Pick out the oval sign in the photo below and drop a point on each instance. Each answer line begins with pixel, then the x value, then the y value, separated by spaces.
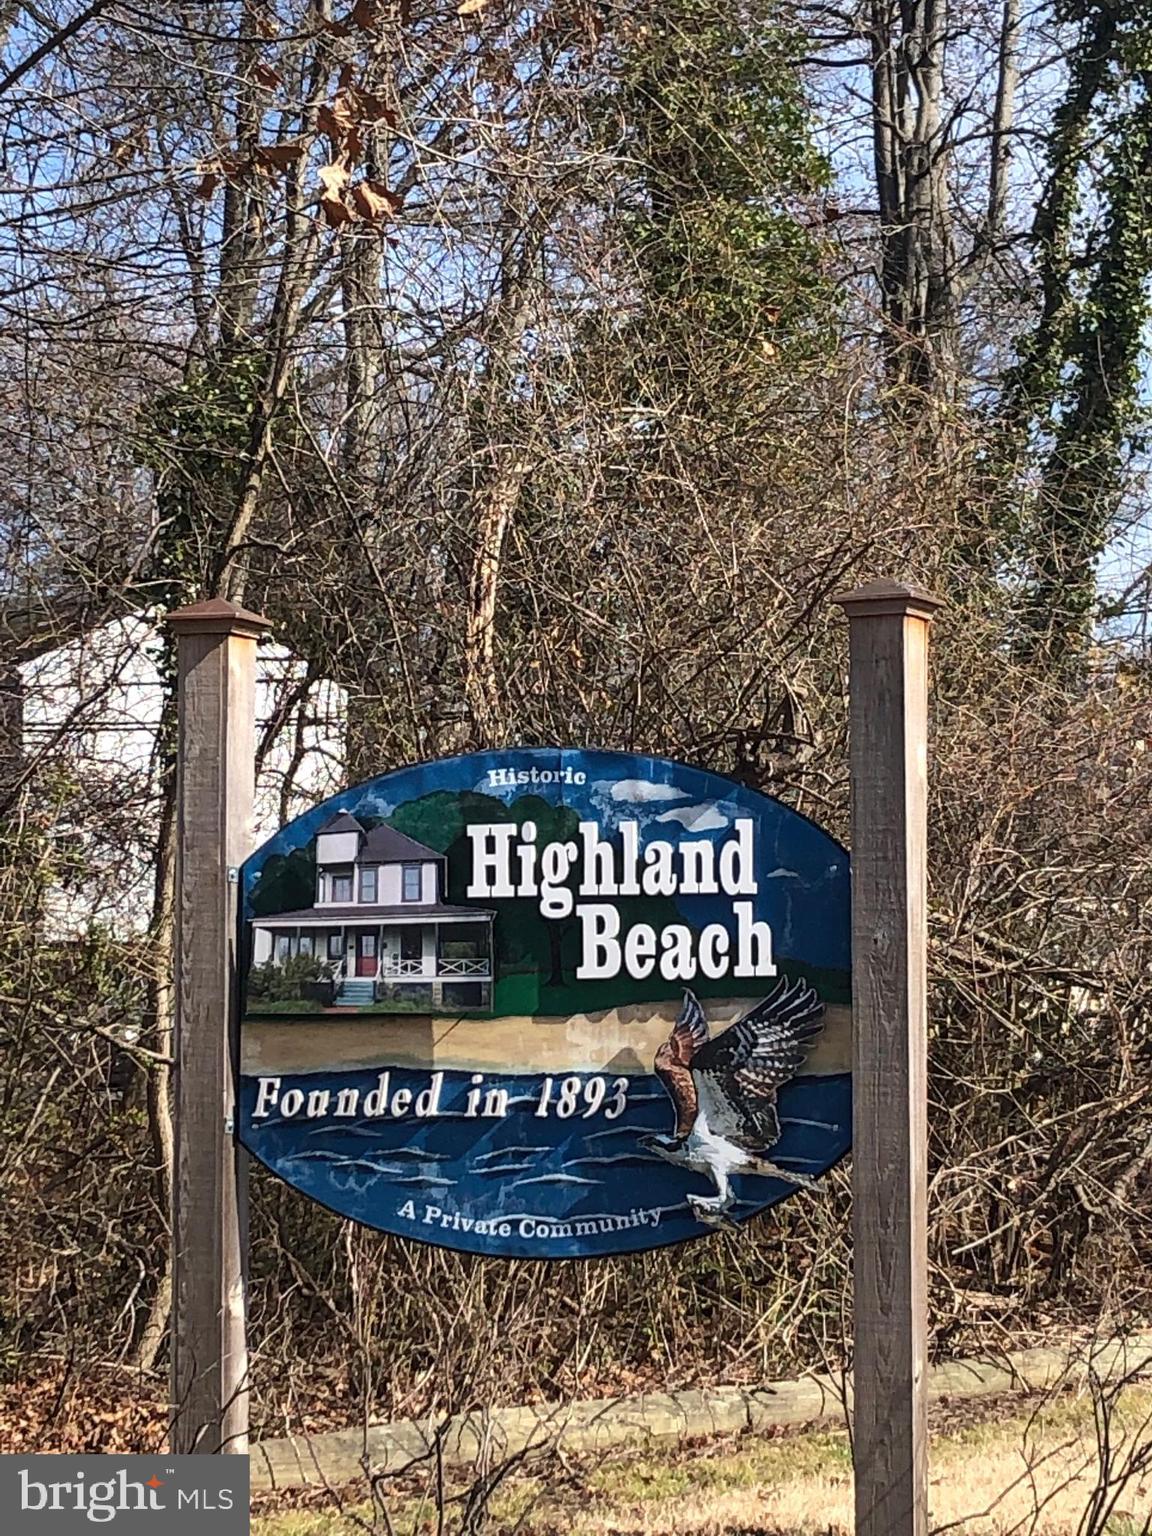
pixel 546 1003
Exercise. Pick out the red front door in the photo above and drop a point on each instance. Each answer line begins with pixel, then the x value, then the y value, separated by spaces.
pixel 366 954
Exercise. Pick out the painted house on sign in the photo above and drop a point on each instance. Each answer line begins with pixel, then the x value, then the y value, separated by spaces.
pixel 381 924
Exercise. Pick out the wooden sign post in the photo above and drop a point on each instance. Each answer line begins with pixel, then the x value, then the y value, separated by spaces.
pixel 889 624
pixel 216 654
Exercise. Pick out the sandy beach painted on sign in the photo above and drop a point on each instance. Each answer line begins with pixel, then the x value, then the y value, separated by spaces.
pixel 622 1040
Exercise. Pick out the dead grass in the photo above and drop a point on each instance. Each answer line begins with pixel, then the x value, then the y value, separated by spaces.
pixel 1029 1474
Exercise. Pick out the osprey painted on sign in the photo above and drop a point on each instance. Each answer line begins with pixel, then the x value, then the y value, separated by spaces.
pixel 724 1090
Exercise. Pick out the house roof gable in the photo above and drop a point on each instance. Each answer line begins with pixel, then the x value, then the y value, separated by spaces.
pixel 343 821
pixel 385 845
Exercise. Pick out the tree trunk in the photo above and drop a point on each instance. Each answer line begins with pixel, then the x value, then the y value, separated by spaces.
pixel 911 156
pixel 481 683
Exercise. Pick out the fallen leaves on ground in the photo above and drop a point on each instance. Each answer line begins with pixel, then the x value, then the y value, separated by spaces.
pixel 105 1413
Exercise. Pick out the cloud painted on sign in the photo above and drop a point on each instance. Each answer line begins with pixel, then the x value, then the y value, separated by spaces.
pixel 697 818
pixel 638 800
pixel 509 792
pixel 642 791
pixel 372 805
pixel 781 874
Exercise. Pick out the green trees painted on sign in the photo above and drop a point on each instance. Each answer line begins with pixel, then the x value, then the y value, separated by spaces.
pixel 287 882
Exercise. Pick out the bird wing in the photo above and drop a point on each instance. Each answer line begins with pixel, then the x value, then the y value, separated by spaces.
pixel 740 1072
pixel 673 1059
pixel 690 1031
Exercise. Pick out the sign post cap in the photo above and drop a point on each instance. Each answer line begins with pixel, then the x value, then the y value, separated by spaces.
pixel 886 596
pixel 217 616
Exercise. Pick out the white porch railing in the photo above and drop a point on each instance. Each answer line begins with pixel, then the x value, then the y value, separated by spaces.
pixel 429 970
pixel 396 967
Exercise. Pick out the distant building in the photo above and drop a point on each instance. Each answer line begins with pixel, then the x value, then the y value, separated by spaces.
pixel 89 719
pixel 380 920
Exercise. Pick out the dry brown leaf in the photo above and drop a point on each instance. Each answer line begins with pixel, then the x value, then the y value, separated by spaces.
pixel 279 157
pixel 336 120
pixel 350 107
pixel 470 7
pixel 206 185
pixel 267 76
pixel 364 15
pixel 326 123
pixel 335 28
pixel 336 211
pixel 333 180
pixel 374 200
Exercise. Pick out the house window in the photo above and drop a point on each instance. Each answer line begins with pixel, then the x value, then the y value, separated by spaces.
pixel 283 947
pixel 342 887
pixel 305 943
pixel 335 946
pixel 413 888
pixel 368 885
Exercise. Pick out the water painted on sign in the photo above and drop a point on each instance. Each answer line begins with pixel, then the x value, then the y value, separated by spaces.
pixel 547 1003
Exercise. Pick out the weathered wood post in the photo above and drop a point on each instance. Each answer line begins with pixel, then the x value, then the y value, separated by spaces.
pixel 888 625
pixel 216 659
